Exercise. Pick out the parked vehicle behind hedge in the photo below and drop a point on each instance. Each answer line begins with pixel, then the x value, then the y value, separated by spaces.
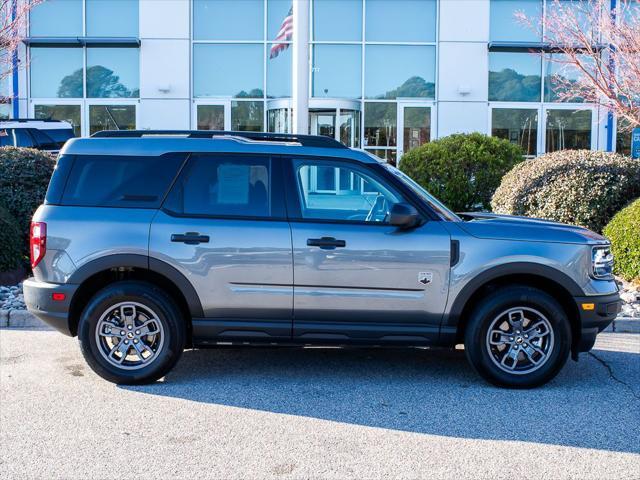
pixel 25 176
pixel 624 232
pixel 462 170
pixel 580 187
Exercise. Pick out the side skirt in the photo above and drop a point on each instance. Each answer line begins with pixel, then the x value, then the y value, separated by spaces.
pixel 240 331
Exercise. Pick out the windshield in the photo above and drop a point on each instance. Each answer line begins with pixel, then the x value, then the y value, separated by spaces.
pixel 438 206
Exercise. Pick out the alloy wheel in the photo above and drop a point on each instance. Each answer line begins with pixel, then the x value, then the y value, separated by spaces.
pixel 129 335
pixel 520 340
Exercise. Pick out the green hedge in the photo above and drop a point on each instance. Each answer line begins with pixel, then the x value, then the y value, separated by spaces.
pixel 581 187
pixel 624 232
pixel 23 184
pixel 11 251
pixel 462 170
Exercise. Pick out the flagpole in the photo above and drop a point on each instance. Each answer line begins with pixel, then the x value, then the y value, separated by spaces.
pixel 300 70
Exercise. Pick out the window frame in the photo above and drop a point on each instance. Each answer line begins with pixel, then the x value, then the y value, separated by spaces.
pixel 84 104
pixel 542 108
pixel 276 189
pixel 294 207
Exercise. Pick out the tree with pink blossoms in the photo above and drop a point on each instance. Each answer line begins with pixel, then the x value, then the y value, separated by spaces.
pixel 594 53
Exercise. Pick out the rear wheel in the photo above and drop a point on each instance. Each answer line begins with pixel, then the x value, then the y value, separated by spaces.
pixel 518 337
pixel 131 333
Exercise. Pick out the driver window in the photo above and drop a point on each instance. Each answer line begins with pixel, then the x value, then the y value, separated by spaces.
pixel 329 191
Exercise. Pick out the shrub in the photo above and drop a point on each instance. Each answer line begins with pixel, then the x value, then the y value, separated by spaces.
pixel 23 184
pixel 571 186
pixel 624 232
pixel 462 170
pixel 10 242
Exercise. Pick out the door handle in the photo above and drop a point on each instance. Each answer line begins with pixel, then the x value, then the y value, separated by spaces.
pixel 190 238
pixel 326 243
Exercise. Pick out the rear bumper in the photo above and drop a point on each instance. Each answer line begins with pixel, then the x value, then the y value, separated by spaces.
pixel 605 309
pixel 38 296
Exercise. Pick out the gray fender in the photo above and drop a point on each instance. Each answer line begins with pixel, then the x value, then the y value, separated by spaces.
pixel 516 268
pixel 143 262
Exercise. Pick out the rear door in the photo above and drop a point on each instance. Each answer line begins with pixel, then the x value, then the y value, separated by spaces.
pixel 223 225
pixel 356 276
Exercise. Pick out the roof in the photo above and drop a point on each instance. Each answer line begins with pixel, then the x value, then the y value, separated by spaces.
pixel 159 143
pixel 44 124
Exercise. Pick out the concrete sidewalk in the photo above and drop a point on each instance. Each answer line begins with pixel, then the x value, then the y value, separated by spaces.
pixel 315 413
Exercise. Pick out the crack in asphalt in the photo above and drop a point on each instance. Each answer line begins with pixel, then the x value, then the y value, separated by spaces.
pixel 613 375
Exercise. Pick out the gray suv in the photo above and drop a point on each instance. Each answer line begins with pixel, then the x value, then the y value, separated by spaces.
pixel 152 242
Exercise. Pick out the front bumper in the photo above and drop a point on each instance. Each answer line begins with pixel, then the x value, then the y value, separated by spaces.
pixel 38 296
pixel 593 321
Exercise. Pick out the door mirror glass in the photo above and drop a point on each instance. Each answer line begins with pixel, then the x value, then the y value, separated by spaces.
pixel 403 215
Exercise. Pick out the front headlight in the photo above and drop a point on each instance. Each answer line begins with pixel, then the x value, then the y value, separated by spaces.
pixel 602 261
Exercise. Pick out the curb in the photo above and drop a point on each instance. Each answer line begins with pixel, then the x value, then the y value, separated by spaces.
pixel 21 319
pixel 625 325
pixel 24 319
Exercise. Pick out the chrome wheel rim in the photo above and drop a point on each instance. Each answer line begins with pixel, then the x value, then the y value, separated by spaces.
pixel 129 335
pixel 520 340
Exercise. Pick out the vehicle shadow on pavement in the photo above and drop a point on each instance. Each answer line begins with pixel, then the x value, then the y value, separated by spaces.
pixel 424 391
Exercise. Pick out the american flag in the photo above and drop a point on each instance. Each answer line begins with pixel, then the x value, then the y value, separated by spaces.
pixel 284 35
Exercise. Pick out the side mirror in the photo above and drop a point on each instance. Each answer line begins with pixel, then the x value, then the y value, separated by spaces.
pixel 403 215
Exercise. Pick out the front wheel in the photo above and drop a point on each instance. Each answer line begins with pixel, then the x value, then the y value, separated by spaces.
pixel 131 333
pixel 518 337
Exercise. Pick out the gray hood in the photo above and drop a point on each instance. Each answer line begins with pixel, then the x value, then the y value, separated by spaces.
pixel 509 227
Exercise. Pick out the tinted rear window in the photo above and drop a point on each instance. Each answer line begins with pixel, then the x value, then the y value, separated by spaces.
pixel 117 181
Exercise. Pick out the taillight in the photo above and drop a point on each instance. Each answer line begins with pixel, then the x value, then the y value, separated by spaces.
pixel 37 242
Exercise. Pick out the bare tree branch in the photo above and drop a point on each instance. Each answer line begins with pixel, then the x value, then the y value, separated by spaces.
pixel 14 16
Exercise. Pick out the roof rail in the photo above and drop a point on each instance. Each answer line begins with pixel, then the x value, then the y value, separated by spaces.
pixel 305 140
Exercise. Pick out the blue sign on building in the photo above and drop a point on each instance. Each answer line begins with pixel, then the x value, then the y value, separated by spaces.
pixel 635 143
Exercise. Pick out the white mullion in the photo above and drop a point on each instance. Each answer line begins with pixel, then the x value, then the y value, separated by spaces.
pixel 362 71
pixel 264 66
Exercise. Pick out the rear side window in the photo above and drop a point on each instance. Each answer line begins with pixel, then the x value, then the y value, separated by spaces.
pixel 60 135
pixel 23 139
pixel 59 179
pixel 227 186
pixel 120 181
pixel 43 140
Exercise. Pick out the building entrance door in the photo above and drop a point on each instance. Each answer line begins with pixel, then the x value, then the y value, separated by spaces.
pixel 339 119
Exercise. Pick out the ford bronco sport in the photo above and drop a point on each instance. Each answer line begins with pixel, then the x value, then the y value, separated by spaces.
pixel 151 242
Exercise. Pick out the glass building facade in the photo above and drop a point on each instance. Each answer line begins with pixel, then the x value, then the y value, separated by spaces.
pixel 385 75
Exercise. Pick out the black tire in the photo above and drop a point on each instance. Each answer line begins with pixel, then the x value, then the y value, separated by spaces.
pixel 478 350
pixel 151 297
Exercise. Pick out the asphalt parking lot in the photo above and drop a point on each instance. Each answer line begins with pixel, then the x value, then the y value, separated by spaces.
pixel 315 413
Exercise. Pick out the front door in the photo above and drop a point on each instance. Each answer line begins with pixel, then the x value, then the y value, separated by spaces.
pixel 224 227
pixel 355 276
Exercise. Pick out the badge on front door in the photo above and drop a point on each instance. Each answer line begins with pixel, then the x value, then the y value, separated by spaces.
pixel 425 277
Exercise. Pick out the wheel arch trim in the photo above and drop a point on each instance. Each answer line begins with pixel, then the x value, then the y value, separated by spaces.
pixel 159 267
pixel 516 268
